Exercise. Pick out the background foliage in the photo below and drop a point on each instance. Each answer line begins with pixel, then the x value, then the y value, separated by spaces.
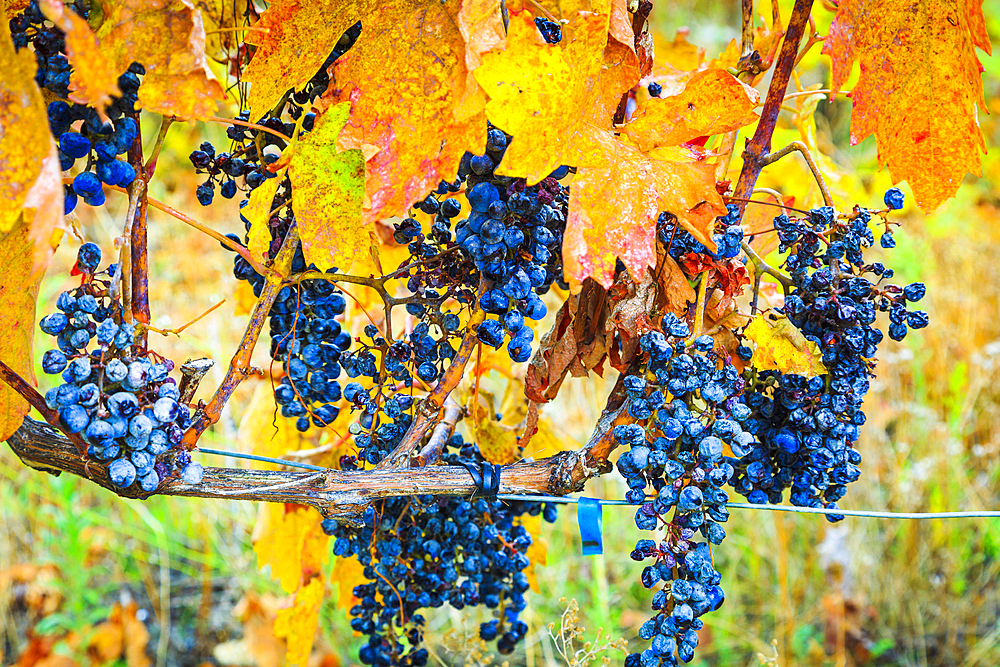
pixel 84 573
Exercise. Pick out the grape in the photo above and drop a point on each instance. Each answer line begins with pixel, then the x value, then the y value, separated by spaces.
pixel 551 31
pixel 894 198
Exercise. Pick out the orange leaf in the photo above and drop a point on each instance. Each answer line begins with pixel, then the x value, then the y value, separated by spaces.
pixel 297 624
pixel 403 116
pixel 615 203
pixel 543 93
pixel 17 320
pixel 168 39
pixel 294 39
pixel 714 101
pixel 482 28
pixel 329 191
pixel 93 81
pixel 919 86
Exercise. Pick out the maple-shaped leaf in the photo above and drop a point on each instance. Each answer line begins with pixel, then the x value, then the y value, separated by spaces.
pixel 918 90
pixel 297 623
pixel 168 39
pixel 18 293
pixel 293 39
pixel 780 346
pixel 618 196
pixel 713 101
pixel 403 117
pixel 329 189
pixel 543 93
pixel 93 81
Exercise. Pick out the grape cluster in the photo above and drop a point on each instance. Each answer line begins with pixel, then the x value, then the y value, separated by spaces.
pixel 807 427
pixel 679 242
pixel 424 552
pixel 685 413
pixel 97 142
pixel 120 399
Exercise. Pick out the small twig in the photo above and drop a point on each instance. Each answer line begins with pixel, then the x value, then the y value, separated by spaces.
pixel 178 330
pixel 244 123
pixel 760 266
pixel 192 372
pixel 224 240
pixel 125 256
pixel 37 401
pixel 813 167
pixel 746 34
pixel 157 145
pixel 240 364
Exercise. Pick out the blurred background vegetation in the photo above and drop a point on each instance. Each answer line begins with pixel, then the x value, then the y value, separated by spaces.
pixel 800 591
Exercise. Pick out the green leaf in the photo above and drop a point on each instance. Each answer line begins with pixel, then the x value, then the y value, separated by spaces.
pixel 329 191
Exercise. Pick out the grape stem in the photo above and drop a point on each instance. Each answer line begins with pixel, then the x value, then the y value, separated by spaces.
pixel 37 401
pixel 699 307
pixel 442 431
pixel 813 167
pixel 239 367
pixel 755 156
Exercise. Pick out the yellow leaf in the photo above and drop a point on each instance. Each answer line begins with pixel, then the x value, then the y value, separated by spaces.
pixel 538 551
pixel 297 624
pixel 407 111
pixel 24 132
pixel 329 191
pixel 288 538
pixel 346 574
pixel 243 299
pixel 168 39
pixel 258 212
pixel 780 346
pixel 543 93
pixel 17 321
pixel 93 81
pixel 294 39
pixel 919 86
pixel 615 202
pixel 714 101
pixel 497 441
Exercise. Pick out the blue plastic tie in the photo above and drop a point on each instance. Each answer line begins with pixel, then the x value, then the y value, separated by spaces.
pixel 590 514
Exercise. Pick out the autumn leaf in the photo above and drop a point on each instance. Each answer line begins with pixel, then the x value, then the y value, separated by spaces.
pixel 481 25
pixel 403 116
pixel 290 542
pixel 297 624
pixel 614 206
pixel 168 39
pixel 17 320
pixel 93 81
pixel 346 574
pixel 24 133
pixel 329 192
pixel 293 40
pixel 542 93
pixel 497 441
pixel 713 102
pixel 918 90
pixel 780 346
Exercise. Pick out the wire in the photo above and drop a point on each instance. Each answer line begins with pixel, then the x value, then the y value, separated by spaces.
pixel 741 506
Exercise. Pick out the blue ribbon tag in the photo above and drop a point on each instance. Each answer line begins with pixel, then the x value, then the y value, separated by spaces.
pixel 590 515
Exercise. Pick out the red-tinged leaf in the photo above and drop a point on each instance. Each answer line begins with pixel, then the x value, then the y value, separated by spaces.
pixel 403 116
pixel 293 39
pixel 43 211
pixel 614 205
pixel 329 192
pixel 168 39
pixel 543 93
pixel 18 293
pixel 714 101
pixel 919 86
pixel 93 81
